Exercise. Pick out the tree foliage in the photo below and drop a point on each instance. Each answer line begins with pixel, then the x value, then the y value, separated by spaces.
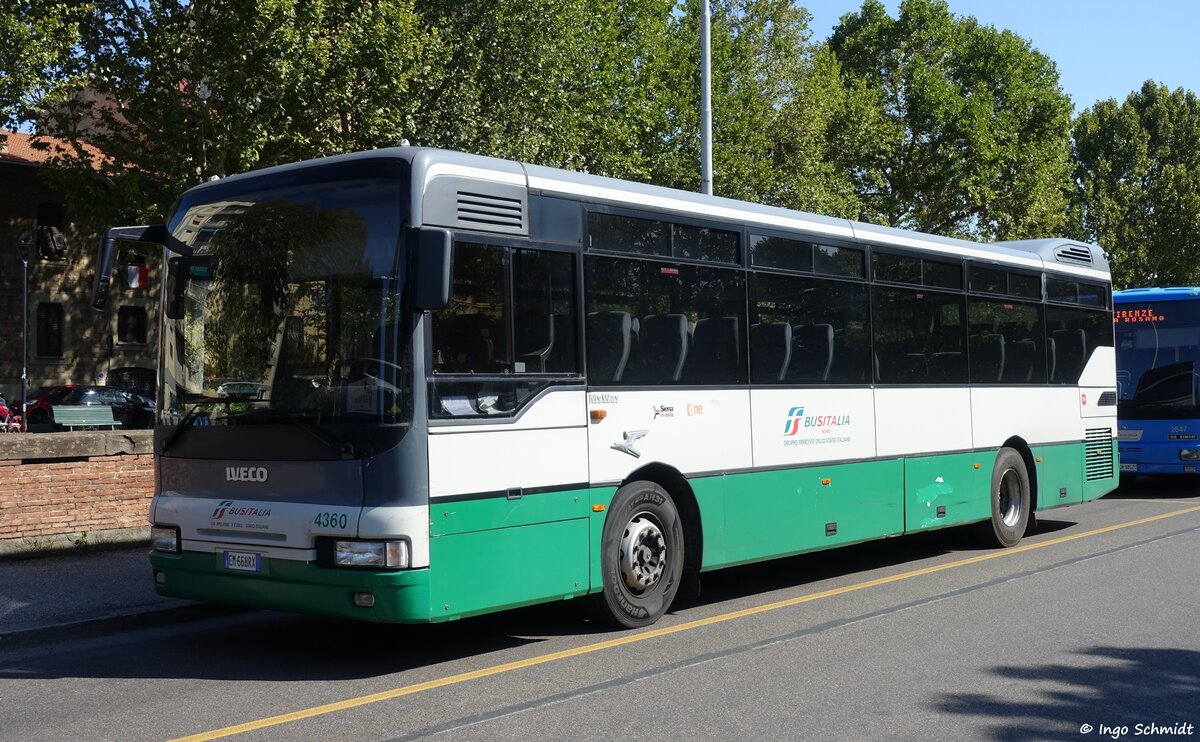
pixel 35 39
pixel 1138 184
pixel 966 131
pixel 926 121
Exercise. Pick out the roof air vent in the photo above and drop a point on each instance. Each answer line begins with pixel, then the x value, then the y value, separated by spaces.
pixel 1074 254
pixel 489 211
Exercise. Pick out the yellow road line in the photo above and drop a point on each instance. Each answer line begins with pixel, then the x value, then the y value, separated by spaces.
pixel 485 672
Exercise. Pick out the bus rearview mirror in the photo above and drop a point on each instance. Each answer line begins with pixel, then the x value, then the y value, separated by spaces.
pixel 431 271
pixel 106 255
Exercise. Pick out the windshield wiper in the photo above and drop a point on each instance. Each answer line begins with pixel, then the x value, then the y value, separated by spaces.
pixel 187 421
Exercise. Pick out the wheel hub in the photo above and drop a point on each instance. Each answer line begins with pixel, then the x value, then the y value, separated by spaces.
pixel 643 553
pixel 1010 498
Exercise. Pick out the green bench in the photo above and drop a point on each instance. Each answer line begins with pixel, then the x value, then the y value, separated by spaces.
pixel 84 416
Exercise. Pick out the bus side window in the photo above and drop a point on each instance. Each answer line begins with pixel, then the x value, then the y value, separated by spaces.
pixel 822 323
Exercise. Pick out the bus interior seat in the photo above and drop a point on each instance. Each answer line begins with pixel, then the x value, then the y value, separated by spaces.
pixel 1051 359
pixel 850 361
pixel 812 354
pixel 1071 348
pixel 987 357
pixel 715 356
pixel 662 349
pixel 894 364
pixel 608 341
pixel 946 366
pixel 770 351
pixel 535 341
pixel 562 357
pixel 1020 357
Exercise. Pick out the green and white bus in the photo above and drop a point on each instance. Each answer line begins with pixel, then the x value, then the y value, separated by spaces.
pixel 414 385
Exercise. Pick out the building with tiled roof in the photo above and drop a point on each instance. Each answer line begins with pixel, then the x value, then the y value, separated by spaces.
pixel 68 341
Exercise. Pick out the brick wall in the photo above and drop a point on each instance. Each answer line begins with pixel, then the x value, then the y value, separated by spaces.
pixel 65 490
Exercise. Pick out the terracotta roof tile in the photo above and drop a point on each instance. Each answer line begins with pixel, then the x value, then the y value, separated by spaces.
pixel 17 148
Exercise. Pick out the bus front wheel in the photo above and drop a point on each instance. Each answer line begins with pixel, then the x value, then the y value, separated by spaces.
pixel 642 556
pixel 1010 498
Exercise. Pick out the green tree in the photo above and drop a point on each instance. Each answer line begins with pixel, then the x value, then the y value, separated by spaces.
pixel 967 128
pixel 35 37
pixel 760 56
pixel 568 83
pixel 1138 184
pixel 173 92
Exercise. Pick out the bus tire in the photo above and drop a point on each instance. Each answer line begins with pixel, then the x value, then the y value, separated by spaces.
pixel 1010 499
pixel 641 553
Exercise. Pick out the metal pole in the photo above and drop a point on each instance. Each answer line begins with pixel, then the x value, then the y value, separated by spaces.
pixel 706 174
pixel 24 248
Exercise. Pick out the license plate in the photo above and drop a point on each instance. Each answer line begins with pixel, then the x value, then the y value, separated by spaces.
pixel 242 561
pixel 1128 467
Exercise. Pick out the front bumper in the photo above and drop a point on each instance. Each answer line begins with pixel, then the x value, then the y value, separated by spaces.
pixel 401 596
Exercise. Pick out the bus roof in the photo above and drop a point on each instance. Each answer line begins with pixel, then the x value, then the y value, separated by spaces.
pixel 428 164
pixel 1168 293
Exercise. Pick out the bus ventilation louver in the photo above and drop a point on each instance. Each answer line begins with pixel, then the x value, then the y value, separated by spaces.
pixel 490 211
pixel 1098 454
pixel 1107 399
pixel 1074 254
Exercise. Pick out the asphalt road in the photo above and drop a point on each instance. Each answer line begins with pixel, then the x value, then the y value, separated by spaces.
pixel 1086 631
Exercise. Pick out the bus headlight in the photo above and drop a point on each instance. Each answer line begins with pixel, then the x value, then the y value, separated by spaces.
pixel 393 554
pixel 1189 454
pixel 165 538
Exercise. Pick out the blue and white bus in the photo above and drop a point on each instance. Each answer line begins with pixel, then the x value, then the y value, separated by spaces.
pixel 1158 347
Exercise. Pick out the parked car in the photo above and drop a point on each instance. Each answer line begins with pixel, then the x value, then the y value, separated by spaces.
pixel 38 405
pixel 133 411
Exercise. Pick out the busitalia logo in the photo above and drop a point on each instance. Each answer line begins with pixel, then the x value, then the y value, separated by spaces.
pixel 226 508
pixel 792 426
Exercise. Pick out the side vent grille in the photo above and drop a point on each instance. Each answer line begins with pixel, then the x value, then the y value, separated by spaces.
pixel 1108 399
pixel 1074 254
pixel 491 211
pixel 1097 454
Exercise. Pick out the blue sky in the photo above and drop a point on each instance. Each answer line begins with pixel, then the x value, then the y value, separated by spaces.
pixel 1102 48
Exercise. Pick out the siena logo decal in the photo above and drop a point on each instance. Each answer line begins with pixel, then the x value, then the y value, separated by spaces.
pixel 245 474
pixel 792 426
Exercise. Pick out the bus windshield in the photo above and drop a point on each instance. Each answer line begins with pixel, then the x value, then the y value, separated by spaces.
pixel 286 314
pixel 1158 347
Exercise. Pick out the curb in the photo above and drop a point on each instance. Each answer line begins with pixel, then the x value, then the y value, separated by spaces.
pixel 112 623
pixel 77 542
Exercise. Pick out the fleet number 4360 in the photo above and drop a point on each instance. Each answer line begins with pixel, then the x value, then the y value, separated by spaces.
pixel 330 520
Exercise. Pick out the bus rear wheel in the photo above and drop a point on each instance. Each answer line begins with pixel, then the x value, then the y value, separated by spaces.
pixel 641 553
pixel 1010 499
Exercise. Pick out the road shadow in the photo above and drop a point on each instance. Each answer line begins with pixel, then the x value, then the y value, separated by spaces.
pixel 1164 487
pixel 1115 686
pixel 265 645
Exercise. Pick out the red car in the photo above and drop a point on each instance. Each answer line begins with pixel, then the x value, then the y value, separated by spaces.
pixel 38 406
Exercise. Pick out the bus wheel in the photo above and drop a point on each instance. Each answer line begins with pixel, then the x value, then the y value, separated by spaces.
pixel 642 556
pixel 1010 501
